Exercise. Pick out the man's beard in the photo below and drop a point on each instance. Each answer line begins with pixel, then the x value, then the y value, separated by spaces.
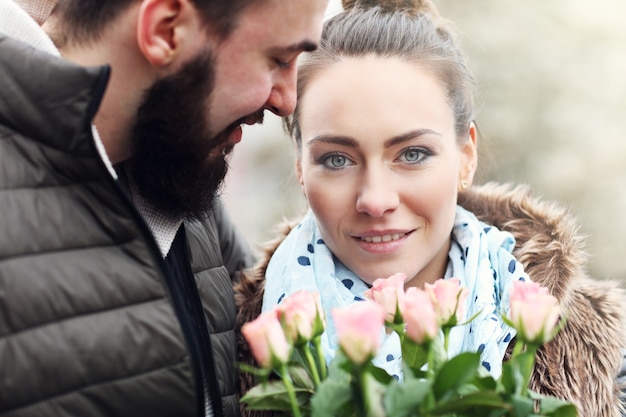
pixel 177 166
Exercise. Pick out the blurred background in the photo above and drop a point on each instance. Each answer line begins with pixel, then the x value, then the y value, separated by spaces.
pixel 551 79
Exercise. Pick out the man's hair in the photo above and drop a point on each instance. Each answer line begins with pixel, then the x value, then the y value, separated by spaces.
pixel 84 21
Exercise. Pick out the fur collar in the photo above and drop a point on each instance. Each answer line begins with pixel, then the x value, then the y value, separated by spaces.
pixel 582 362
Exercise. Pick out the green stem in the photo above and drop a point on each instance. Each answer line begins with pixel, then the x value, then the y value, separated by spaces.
pixel 431 360
pixel 528 366
pixel 517 349
pixel 321 360
pixel 446 339
pixel 360 377
pixel 366 397
pixel 524 364
pixel 306 349
pixel 284 373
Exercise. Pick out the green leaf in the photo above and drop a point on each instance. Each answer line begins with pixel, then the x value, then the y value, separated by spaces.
pixel 403 399
pixel 565 410
pixel 301 378
pixel 269 396
pixel 550 406
pixel 522 405
pixel 484 381
pixel 415 356
pixel 485 400
pixel 397 327
pixel 472 318
pixel 340 364
pixel 526 363
pixel 332 395
pixel 258 372
pixel 379 374
pixel 454 373
pixel 516 372
pixel 493 413
pixel 507 379
pixel 297 359
pixel 373 392
pixel 439 354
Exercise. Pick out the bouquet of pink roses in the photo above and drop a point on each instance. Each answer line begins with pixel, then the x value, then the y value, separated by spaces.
pixel 286 344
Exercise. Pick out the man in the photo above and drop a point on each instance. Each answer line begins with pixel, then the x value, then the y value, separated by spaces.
pixel 116 258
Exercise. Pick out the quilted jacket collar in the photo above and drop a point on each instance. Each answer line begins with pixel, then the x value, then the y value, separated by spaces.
pixel 47 98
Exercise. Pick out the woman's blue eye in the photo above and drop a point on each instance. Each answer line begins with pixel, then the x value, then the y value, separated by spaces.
pixel 414 155
pixel 334 161
pixel 337 160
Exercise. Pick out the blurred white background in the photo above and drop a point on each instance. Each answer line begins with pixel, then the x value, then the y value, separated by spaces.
pixel 551 80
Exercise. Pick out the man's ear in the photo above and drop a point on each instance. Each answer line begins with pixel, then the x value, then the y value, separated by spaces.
pixel 160 25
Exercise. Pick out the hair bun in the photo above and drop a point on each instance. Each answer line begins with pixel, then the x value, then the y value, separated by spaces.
pixel 413 6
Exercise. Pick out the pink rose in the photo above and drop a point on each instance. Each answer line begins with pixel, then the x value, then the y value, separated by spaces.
pixel 534 312
pixel 448 298
pixel 266 339
pixel 389 294
pixel 359 328
pixel 302 316
pixel 419 315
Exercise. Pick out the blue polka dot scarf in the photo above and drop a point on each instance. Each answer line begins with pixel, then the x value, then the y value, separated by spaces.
pixel 480 256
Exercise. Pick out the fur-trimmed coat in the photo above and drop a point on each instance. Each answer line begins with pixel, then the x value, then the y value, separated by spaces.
pixel 582 362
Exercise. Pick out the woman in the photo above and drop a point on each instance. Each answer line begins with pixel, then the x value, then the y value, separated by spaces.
pixel 386 155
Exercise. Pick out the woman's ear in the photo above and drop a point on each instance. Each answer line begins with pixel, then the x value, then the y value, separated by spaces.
pixel 299 175
pixel 160 25
pixel 469 155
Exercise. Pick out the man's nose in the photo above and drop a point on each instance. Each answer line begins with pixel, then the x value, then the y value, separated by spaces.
pixel 282 98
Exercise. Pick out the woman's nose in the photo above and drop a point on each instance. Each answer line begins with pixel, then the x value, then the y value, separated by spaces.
pixel 377 195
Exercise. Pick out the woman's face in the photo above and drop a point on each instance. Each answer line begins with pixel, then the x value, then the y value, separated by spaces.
pixel 381 166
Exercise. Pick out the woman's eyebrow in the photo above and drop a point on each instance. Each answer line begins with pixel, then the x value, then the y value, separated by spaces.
pixel 395 140
pixel 334 139
pixel 351 142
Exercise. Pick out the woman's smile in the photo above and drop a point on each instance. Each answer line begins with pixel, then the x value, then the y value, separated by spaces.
pixel 382 243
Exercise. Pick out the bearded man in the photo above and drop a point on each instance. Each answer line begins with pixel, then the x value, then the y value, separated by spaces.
pixel 116 256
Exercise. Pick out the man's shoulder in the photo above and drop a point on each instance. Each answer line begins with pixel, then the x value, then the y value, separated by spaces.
pixel 18 24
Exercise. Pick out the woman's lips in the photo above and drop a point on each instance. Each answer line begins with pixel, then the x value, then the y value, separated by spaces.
pixel 383 242
pixel 382 238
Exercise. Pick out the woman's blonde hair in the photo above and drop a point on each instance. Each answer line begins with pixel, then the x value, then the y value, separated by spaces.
pixel 404 29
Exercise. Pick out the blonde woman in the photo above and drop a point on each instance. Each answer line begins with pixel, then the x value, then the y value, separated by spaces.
pixel 386 151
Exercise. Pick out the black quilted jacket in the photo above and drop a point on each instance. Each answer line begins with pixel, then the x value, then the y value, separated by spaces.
pixel 90 322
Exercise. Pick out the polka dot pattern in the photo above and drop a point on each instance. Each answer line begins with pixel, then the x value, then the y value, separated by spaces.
pixel 348 283
pixel 480 256
pixel 512 266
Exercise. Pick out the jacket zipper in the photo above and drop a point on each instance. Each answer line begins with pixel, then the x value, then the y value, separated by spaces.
pixel 178 299
pixel 193 296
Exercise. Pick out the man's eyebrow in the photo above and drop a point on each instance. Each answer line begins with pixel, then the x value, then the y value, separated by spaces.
pixel 304 46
